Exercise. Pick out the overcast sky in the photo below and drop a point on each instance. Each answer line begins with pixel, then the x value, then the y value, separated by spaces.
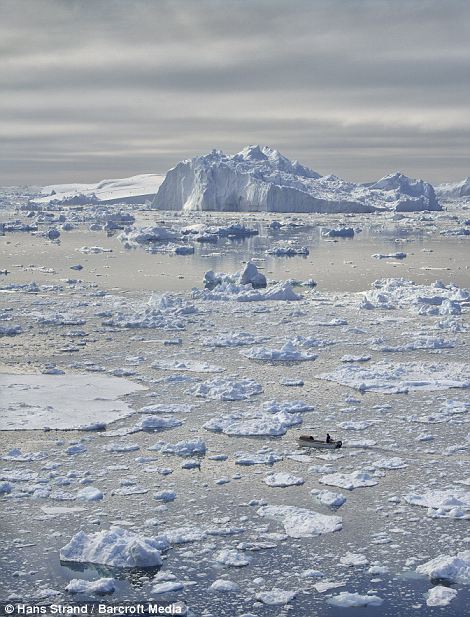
pixel 92 89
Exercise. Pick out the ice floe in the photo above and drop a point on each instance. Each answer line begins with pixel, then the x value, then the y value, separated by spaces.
pixel 454 569
pixel 301 522
pixel 115 547
pixel 62 401
pixel 349 481
pixel 396 377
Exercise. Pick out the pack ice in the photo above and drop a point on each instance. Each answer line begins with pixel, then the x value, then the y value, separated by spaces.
pixel 301 522
pixel 263 180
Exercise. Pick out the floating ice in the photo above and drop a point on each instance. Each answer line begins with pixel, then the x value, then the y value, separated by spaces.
pixel 233 339
pixel 157 423
pixel 328 498
pixel 115 547
pixel 283 479
pixel 192 366
pixel 102 585
pixel 253 424
pixel 232 558
pixel 90 493
pixel 62 401
pixel 287 353
pixel 224 586
pixel 455 569
pixel 440 596
pixel 395 377
pixel 349 600
pixel 301 522
pixel 276 597
pixel 182 448
pixel 228 389
pixel 353 559
pixel 449 503
pixel 349 481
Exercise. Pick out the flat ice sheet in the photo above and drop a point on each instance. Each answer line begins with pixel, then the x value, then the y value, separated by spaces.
pixel 62 401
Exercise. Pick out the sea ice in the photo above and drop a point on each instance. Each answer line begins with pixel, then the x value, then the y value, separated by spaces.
pixel 345 599
pixel 301 522
pixel 287 353
pixel 62 401
pixel 276 597
pixel 440 596
pixel 283 479
pixel 100 586
pixel 396 377
pixel 228 389
pixel 350 481
pixel 455 569
pixel 115 547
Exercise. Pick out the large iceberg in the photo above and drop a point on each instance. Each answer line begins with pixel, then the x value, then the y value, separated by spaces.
pixel 454 190
pixel 263 180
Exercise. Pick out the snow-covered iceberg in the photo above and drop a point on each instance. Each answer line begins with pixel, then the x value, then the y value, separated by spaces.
pixel 263 180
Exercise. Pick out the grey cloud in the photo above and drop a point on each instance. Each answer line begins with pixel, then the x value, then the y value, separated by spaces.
pixel 354 87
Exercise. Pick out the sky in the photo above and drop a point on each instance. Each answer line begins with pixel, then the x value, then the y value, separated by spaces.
pixel 112 88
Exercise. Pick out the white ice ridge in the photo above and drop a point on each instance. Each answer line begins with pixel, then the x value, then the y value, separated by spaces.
pixel 136 189
pixel 62 401
pixel 115 547
pixel 263 180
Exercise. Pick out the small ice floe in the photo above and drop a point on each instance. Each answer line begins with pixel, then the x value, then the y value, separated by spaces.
pixel 192 366
pixel 78 448
pixel 301 522
pixel 182 448
pixel 253 424
pixel 292 383
pixel 397 255
pixel 358 425
pixel 349 358
pixel 341 232
pixel 93 249
pixel 283 480
pixel 233 558
pixel 286 407
pixel 262 457
pixel 233 339
pixel 100 586
pixel 288 250
pixel 324 586
pixel 227 291
pixel 115 547
pixel 390 463
pixel 10 330
pixel 224 586
pixel 249 277
pixel 454 569
pixel 396 377
pixel 228 389
pixel 90 493
pixel 167 408
pixel 328 498
pixel 121 447
pixel 446 503
pixel 440 596
pixel 276 597
pixel 353 560
pixel 424 343
pixel 287 353
pixel 165 496
pixel 167 587
pixel 157 423
pixel 345 599
pixel 16 455
pixel 436 299
pixel 349 481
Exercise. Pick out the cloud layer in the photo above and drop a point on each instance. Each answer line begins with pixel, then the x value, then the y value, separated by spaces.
pixel 354 87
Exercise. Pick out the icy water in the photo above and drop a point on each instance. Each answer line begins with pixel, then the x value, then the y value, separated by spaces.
pixel 104 326
pixel 337 265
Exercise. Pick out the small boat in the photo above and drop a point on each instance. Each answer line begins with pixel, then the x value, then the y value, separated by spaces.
pixel 310 442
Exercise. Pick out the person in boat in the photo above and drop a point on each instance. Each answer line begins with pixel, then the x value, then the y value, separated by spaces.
pixel 328 438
